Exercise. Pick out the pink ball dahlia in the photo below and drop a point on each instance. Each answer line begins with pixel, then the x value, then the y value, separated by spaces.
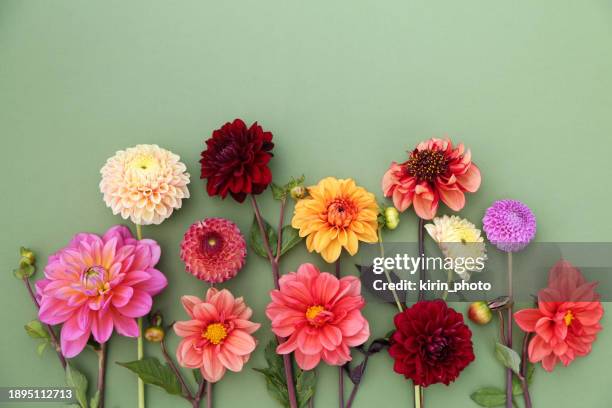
pixel 319 314
pixel 97 284
pixel 434 171
pixel 144 183
pixel 218 336
pixel 510 225
pixel 213 250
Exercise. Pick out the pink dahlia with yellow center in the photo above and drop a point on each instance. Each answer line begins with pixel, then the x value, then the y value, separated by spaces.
pixel 566 322
pixel 337 214
pixel 97 284
pixel 213 250
pixel 218 336
pixel 434 171
pixel 319 314
pixel 144 183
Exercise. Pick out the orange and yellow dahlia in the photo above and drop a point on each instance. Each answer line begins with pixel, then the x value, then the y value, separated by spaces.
pixel 337 213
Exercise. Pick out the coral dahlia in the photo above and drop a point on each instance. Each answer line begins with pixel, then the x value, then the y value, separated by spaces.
pixel 431 343
pixel 97 284
pixel 566 321
pixel 144 183
pixel 336 214
pixel 434 171
pixel 235 160
pixel 213 250
pixel 218 336
pixel 319 314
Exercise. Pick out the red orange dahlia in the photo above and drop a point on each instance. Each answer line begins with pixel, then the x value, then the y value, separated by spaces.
pixel 434 171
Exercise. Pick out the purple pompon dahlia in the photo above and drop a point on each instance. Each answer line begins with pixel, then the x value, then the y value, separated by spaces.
pixel 510 225
pixel 213 250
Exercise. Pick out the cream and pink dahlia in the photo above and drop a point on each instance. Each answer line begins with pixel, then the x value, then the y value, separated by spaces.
pixel 97 284
pixel 144 183
pixel 213 250
pixel 319 314
pixel 434 171
pixel 218 336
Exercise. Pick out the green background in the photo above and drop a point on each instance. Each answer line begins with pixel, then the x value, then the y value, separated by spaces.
pixel 346 87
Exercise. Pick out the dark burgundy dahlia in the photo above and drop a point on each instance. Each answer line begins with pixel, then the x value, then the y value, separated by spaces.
pixel 431 343
pixel 236 160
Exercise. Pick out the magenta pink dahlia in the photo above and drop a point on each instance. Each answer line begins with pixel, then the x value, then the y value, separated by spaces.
pixel 213 250
pixel 97 284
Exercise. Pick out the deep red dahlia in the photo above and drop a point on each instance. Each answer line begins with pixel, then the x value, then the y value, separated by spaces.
pixel 236 160
pixel 431 344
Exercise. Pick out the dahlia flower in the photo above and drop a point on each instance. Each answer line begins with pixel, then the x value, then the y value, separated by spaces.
pixel 431 343
pixel 97 284
pixel 144 183
pixel 319 314
pixel 510 225
pixel 458 238
pixel 336 214
pixel 235 160
pixel 434 171
pixel 218 336
pixel 566 321
pixel 213 250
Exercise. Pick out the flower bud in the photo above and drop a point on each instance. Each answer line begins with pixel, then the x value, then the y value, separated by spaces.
pixel 154 334
pixel 391 218
pixel 298 192
pixel 480 313
pixel 500 303
pixel 27 255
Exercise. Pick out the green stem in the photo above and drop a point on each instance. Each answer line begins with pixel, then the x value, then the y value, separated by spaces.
pixel 141 386
pixel 449 279
pixel 382 255
pixel 418 396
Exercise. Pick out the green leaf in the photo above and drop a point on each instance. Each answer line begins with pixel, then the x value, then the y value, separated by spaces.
pixel 290 238
pixel 256 241
pixel 508 357
pixel 489 397
pixel 151 371
pixel 40 349
pixel 197 375
pixel 305 382
pixel 95 400
pixel 75 379
pixel 275 374
pixel 36 330
pixel 278 192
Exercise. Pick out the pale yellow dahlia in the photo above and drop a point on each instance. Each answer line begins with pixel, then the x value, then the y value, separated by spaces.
pixel 458 238
pixel 144 183
pixel 336 214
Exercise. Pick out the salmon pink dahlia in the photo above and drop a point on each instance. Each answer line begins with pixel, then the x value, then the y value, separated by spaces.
pixel 235 160
pixel 434 171
pixel 213 250
pixel 97 284
pixel 431 343
pixel 144 183
pixel 319 314
pixel 566 321
pixel 218 336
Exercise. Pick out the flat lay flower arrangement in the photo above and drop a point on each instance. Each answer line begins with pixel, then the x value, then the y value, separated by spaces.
pixel 104 284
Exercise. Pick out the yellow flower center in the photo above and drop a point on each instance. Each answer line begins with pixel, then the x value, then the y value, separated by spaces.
pixel 215 333
pixel 426 164
pixel 569 316
pixel 144 162
pixel 313 312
